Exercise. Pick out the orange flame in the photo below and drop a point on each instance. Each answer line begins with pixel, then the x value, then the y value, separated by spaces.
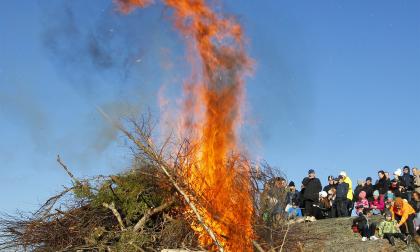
pixel 211 117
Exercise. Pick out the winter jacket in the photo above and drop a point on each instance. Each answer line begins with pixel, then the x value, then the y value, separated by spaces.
pixel 292 196
pixel 361 221
pixel 329 187
pixel 342 190
pixel 416 183
pixel 359 205
pixel 382 185
pixel 369 191
pixel 415 205
pixel 347 180
pixel 380 205
pixel 294 212
pixel 357 190
pixel 404 212
pixel 312 188
pixel 408 181
pixel 388 227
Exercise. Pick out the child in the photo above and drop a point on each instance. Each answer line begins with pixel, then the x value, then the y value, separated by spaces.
pixel 388 230
pixel 362 203
pixel 341 197
pixel 294 211
pixel 365 227
pixel 377 205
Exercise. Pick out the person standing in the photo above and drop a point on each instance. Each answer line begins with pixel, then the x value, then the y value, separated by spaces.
pixel 382 184
pixel 312 187
pixel 341 197
pixel 408 182
pixel 347 180
pixel 331 184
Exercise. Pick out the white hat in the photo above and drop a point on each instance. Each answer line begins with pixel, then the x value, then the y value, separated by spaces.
pixel 398 172
pixel 323 194
pixel 343 173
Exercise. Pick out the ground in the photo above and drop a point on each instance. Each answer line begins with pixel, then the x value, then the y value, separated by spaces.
pixel 336 235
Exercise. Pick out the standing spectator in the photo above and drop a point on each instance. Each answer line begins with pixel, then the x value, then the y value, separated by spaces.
pixel 408 180
pixel 404 213
pixel 341 197
pixel 377 205
pixel 292 195
pixel 347 180
pixel 311 195
pixel 382 184
pixel 331 198
pixel 416 174
pixel 368 188
pixel 331 184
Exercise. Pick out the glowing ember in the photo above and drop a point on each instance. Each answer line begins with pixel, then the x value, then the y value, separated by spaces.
pixel 211 117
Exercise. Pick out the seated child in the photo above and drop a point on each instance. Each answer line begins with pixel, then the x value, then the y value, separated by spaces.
pixel 364 225
pixel 377 205
pixel 294 211
pixel 388 230
pixel 362 203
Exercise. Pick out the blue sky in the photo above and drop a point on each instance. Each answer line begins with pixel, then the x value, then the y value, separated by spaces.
pixel 336 86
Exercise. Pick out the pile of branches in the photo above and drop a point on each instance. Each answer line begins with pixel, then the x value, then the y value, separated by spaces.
pixel 139 210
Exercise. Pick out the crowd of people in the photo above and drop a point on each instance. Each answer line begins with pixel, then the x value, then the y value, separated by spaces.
pixel 396 198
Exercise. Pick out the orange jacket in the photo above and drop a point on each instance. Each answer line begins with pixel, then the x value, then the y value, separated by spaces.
pixel 404 212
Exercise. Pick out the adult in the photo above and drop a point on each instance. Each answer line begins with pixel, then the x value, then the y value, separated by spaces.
pixel 331 184
pixel 292 195
pixel 404 213
pixel 347 180
pixel 408 180
pixel 382 184
pixel 416 180
pixel 358 189
pixel 312 187
pixel 341 205
pixel 368 188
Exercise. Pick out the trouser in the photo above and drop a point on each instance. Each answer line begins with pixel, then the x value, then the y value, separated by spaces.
pixel 350 207
pixel 409 224
pixel 396 235
pixel 309 208
pixel 341 205
pixel 409 195
pixel 368 231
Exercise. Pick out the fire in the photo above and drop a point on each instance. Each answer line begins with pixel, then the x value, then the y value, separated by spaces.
pixel 215 173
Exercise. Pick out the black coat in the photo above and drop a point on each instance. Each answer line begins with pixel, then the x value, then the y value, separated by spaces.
pixel 342 190
pixel 369 191
pixel 408 180
pixel 292 197
pixel 328 187
pixel 312 188
pixel 382 185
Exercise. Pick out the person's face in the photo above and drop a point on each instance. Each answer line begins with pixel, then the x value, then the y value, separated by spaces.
pixel 380 174
pixel 375 197
pixel 311 175
pixel 368 182
pixel 414 171
pixel 406 170
pixel 292 188
pixel 416 196
pixel 278 183
pixel 340 181
pixel 331 181
pixel 388 218
pixel 283 183
pixel 387 174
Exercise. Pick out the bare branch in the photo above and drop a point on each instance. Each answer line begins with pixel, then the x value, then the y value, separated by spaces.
pixel 116 214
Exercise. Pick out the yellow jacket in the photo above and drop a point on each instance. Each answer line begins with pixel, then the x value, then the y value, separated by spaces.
pixel 404 212
pixel 350 192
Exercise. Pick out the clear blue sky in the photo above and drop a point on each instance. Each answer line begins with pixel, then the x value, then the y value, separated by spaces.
pixel 336 86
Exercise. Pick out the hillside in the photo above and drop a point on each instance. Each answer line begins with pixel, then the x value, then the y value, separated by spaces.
pixel 336 235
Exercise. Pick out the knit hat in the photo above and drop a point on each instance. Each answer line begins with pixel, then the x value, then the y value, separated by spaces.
pixel 376 193
pixel 343 173
pixel 398 202
pixel 323 194
pixel 311 171
pixel 369 178
pixel 390 195
pixel 362 194
pixel 291 183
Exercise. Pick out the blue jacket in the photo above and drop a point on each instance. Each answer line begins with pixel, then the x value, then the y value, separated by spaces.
pixel 342 190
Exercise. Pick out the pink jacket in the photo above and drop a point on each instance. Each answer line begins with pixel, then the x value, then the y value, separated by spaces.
pixel 380 205
pixel 359 205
